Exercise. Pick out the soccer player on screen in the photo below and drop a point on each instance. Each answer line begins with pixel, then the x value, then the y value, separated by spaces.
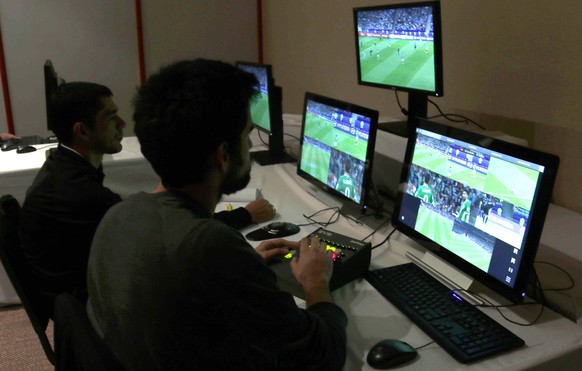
pixel 345 183
pixel 465 208
pixel 424 192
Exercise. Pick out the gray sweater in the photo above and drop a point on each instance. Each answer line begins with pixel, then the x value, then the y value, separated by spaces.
pixel 172 288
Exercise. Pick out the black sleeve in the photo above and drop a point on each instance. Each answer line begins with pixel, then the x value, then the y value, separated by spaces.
pixel 237 218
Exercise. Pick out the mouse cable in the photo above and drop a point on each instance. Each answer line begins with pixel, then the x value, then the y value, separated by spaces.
pixel 332 219
pixel 385 240
pixel 424 346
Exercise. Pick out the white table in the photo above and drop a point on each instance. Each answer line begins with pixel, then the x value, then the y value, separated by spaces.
pixel 552 342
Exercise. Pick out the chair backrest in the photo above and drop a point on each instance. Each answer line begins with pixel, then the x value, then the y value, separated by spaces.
pixel 17 269
pixel 77 345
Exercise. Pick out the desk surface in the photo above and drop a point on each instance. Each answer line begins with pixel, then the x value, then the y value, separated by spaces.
pixel 552 341
pixel 372 318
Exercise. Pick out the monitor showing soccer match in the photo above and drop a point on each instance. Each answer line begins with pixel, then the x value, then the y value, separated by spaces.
pixel 260 106
pixel 477 202
pixel 266 113
pixel 399 47
pixel 337 147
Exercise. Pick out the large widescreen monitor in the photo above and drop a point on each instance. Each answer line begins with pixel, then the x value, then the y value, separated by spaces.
pixel 476 202
pixel 399 47
pixel 266 113
pixel 337 147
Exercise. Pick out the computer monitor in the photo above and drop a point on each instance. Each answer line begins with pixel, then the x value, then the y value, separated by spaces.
pixel 51 83
pixel 337 148
pixel 476 202
pixel 266 113
pixel 399 47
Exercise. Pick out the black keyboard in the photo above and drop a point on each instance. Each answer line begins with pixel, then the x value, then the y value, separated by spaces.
pixel 36 139
pixel 461 329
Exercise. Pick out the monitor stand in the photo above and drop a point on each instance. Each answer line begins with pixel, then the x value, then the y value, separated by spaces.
pixel 447 275
pixel 399 128
pixel 417 107
pixel 269 158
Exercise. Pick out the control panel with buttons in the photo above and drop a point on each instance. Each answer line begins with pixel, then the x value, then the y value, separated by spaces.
pixel 351 261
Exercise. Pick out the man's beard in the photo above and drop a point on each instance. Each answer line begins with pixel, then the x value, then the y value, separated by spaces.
pixel 233 181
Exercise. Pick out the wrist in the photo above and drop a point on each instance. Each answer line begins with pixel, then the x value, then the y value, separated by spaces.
pixel 316 292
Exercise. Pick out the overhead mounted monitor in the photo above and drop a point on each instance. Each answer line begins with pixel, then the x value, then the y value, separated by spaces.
pixel 399 47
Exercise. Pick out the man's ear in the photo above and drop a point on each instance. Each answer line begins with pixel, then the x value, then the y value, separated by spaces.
pixel 80 131
pixel 221 157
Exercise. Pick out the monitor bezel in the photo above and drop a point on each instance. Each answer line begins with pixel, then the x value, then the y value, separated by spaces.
pixel 51 83
pixel 438 90
pixel 537 215
pixel 368 164
pixel 270 90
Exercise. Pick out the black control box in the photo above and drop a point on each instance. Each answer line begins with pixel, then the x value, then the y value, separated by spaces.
pixel 351 260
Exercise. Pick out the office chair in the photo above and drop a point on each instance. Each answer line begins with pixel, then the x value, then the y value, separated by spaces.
pixel 77 345
pixel 17 269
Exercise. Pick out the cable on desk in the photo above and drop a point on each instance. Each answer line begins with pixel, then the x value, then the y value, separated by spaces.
pixel 385 240
pixel 377 228
pixel 572 283
pixel 292 136
pixel 332 219
pixel 261 138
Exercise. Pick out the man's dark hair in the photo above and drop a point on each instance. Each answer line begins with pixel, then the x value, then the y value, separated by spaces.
pixel 185 111
pixel 75 102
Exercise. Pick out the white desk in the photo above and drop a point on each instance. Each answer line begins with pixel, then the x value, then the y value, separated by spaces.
pixel 554 341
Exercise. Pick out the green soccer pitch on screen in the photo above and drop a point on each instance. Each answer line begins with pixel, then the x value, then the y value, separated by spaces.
pixel 477 202
pixel 337 147
pixel 266 114
pixel 399 46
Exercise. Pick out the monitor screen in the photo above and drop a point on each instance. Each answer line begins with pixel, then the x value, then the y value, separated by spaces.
pixel 477 202
pixel 260 112
pixel 337 147
pixel 399 47
pixel 266 113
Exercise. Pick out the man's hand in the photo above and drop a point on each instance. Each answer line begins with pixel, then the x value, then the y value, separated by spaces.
pixel 6 136
pixel 313 269
pixel 261 210
pixel 277 247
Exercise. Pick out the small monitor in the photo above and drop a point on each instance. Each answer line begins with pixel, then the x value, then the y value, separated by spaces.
pixel 476 202
pixel 266 113
pixel 399 47
pixel 51 83
pixel 337 147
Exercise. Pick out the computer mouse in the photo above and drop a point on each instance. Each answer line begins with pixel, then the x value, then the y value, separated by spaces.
pixel 25 148
pixel 390 353
pixel 9 145
pixel 273 230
